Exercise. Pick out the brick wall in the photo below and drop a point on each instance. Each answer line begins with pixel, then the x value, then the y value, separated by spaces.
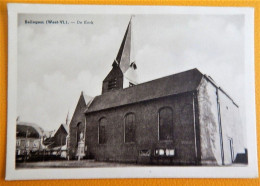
pixel 146 118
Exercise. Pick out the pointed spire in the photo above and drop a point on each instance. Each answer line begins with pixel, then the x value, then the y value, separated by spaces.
pixel 67 119
pixel 123 56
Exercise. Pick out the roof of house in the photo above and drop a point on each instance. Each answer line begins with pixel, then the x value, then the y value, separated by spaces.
pixel 66 127
pixel 30 130
pixel 170 85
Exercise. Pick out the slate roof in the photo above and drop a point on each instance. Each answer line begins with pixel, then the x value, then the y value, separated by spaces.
pixel 170 85
pixel 31 130
pixel 65 127
pixel 124 53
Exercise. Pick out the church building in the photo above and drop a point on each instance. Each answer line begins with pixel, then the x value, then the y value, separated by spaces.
pixel 181 119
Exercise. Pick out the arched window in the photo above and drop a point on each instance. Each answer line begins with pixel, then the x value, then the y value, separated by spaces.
pixel 80 129
pixel 129 128
pixel 102 138
pixel 165 124
pixel 187 114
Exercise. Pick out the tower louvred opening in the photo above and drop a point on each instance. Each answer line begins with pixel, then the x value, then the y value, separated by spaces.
pixel 123 73
pixel 133 65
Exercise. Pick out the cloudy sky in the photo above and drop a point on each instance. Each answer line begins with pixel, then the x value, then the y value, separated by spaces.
pixel 57 62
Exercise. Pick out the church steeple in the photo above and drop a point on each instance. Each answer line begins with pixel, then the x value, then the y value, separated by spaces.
pixel 123 56
pixel 123 72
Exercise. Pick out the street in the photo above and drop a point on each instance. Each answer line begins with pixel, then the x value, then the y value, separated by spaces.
pixel 71 164
pixel 85 164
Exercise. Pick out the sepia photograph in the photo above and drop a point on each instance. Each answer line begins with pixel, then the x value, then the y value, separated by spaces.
pixel 123 90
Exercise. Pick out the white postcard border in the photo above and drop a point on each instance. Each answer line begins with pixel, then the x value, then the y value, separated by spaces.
pixel 129 172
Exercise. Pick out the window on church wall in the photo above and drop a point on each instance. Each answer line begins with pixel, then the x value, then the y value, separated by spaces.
pixel 129 128
pixel 165 123
pixel 187 115
pixel 112 84
pixel 102 138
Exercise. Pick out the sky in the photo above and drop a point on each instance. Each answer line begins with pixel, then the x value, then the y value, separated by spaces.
pixel 58 61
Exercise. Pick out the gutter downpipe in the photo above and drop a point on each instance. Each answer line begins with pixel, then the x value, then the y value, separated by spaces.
pixel 220 127
pixel 194 127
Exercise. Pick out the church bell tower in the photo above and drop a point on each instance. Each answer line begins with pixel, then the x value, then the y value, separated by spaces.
pixel 123 73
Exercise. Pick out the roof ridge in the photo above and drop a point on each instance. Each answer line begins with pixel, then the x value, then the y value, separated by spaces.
pixel 146 82
pixel 186 81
